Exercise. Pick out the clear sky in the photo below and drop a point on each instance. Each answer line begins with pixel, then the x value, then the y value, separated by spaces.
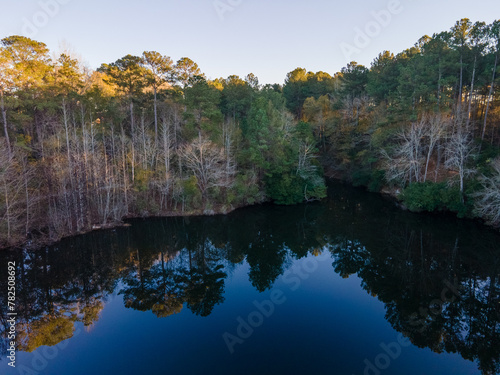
pixel 266 37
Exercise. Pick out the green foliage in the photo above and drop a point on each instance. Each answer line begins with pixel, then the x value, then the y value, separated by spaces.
pixel 432 197
pixel 160 67
pixel 119 141
pixel 282 152
pixel 127 74
pixel 144 205
pixel 185 69
pixel 383 77
pixel 488 154
pixel 300 85
pixel 377 181
pixel 191 193
pixel 354 79
pixel 245 191
pixel 284 188
pixel 202 109
pixel 236 98
pixel 142 179
pixel 374 179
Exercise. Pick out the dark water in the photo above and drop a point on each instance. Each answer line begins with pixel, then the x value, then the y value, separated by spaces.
pixel 351 285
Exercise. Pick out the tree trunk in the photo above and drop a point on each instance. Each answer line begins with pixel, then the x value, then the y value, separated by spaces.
pixel 489 97
pixel 5 126
pixel 26 194
pixel 143 136
pixel 65 118
pixel 156 116
pixel 461 83
pixel 133 138
pixel 7 208
pixel 471 92
pixel 438 161
pixel 429 153
pixel 124 169
pixel 439 86
pixel 71 170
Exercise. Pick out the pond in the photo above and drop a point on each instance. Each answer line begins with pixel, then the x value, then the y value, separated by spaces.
pixel 350 285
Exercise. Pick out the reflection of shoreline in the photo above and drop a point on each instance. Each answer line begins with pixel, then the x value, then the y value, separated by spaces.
pixel 37 243
pixel 412 290
pixel 333 178
pixel 165 266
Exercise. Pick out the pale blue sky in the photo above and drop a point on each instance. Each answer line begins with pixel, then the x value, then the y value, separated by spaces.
pixel 266 37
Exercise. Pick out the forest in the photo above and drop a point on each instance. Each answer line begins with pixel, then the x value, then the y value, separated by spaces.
pixel 149 136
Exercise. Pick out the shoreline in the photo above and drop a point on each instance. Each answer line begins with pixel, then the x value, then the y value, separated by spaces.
pixel 385 192
pixel 42 242
pixel 392 194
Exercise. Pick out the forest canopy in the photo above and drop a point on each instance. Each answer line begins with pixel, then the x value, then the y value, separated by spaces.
pixel 147 135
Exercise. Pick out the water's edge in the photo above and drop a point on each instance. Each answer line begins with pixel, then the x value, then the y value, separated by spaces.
pixel 41 241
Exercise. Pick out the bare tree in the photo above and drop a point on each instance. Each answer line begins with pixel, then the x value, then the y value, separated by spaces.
pixel 459 151
pixel 146 146
pixel 207 162
pixel 229 135
pixel 406 163
pixel 167 149
pixel 410 160
pixel 3 84
pixel 15 199
pixel 124 167
pixel 306 169
pixel 488 199
pixel 434 131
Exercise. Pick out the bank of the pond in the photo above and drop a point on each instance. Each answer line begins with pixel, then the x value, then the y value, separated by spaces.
pixel 394 195
pixel 38 240
pixel 410 201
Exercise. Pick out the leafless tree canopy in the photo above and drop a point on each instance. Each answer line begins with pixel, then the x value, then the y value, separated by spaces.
pixel 488 199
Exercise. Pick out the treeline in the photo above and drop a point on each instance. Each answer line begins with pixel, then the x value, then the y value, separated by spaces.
pixel 423 123
pixel 139 136
pixel 146 136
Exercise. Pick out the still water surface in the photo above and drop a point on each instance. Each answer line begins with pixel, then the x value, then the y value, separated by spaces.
pixel 350 285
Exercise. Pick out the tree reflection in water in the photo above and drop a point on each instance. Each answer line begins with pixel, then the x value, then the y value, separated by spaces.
pixel 164 265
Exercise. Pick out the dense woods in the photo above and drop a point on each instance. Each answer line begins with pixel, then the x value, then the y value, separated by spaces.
pixel 145 135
